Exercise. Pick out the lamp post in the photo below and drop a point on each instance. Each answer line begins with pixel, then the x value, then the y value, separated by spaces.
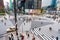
pixel 15 14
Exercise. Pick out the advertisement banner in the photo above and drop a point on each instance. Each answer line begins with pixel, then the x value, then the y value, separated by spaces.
pixel 32 11
pixel 36 11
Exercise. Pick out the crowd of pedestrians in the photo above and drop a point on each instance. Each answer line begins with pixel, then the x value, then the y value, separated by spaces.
pixel 22 36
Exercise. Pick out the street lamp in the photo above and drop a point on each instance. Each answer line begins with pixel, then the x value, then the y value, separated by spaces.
pixel 15 14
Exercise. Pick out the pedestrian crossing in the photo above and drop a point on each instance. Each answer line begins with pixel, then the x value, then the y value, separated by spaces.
pixel 38 27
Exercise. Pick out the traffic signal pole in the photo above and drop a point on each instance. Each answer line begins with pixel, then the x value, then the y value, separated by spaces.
pixel 15 14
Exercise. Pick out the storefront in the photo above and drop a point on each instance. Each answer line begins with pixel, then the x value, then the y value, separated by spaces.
pixel 33 11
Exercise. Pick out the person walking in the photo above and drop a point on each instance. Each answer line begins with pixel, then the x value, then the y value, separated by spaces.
pixel 2 20
pixel 33 38
pixel 28 35
pixel 22 37
pixel 12 37
pixel 50 28
pixel 5 23
pixel 56 38
pixel 9 38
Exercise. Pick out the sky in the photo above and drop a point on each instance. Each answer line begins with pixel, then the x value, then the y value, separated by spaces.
pixel 44 2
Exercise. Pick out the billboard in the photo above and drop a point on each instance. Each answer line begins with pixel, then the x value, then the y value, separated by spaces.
pixel 36 11
pixel 32 10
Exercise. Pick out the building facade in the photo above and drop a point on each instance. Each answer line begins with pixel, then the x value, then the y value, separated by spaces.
pixel 37 4
pixel 31 4
pixel 1 4
pixel 58 4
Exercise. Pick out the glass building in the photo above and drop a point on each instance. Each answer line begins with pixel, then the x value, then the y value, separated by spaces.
pixel 33 4
pixel 37 4
pixel 11 5
pixel 49 4
pixel 30 4
pixel 53 3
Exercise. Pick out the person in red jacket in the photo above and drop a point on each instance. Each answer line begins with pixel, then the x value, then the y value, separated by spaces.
pixel 22 37
pixel 33 38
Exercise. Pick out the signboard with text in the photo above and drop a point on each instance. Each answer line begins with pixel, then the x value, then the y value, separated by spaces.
pixel 36 11
pixel 32 11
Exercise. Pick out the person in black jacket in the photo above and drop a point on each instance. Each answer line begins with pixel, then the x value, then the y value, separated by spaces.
pixel 56 38
pixel 12 37
pixel 9 38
